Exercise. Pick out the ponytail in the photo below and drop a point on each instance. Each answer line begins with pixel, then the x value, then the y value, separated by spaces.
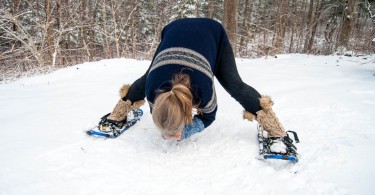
pixel 173 109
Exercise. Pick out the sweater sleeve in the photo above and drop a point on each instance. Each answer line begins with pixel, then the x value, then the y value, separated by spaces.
pixel 228 76
pixel 137 90
pixel 208 118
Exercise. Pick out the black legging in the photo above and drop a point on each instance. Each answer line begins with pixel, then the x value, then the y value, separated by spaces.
pixel 227 74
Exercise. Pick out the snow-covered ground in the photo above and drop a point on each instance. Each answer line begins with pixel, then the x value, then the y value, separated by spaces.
pixel 328 100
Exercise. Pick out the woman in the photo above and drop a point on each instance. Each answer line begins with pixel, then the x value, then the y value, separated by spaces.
pixel 180 79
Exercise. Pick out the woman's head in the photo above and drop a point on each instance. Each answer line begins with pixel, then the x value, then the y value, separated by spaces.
pixel 172 109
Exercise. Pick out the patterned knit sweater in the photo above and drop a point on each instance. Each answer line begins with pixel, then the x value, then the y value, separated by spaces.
pixel 191 46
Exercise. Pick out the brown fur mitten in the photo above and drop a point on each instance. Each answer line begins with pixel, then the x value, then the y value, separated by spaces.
pixel 124 90
pixel 120 111
pixel 266 102
pixel 268 120
pixel 249 116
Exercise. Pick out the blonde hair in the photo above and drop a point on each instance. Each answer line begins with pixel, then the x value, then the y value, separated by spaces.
pixel 172 109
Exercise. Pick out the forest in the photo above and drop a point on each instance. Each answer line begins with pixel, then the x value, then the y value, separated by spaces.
pixel 41 35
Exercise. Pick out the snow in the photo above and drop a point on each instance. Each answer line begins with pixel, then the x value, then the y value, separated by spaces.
pixel 278 146
pixel 328 100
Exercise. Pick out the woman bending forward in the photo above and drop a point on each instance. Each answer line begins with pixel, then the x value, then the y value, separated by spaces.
pixel 180 80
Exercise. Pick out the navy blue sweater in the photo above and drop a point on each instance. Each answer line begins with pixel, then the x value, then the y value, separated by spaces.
pixel 191 45
pixel 196 47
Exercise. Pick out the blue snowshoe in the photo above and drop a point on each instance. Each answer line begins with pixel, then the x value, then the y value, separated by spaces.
pixel 277 148
pixel 111 129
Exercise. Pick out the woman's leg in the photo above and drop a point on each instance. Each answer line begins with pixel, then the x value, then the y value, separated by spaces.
pixel 227 74
pixel 259 106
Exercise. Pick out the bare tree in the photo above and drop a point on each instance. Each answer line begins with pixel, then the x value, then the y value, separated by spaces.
pixel 15 31
pixel 245 29
pixel 347 24
pixel 230 21
pixel 370 9
pixel 281 25
pixel 54 33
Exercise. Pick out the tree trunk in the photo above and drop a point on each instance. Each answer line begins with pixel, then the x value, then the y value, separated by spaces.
pixel 49 35
pixel 230 21
pixel 14 11
pixel 108 51
pixel 91 21
pixel 348 21
pixel 309 25
pixel 281 25
pixel 245 28
pixel 197 7
pixel 134 27
pixel 313 29
pixel 292 26
pixel 68 52
pixel 211 8
pixel 58 18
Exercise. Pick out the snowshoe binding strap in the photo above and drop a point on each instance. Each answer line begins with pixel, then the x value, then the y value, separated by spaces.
pixel 110 126
pixel 291 150
pixel 295 136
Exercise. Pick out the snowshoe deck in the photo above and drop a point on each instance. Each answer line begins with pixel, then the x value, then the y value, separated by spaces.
pixel 116 129
pixel 266 153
